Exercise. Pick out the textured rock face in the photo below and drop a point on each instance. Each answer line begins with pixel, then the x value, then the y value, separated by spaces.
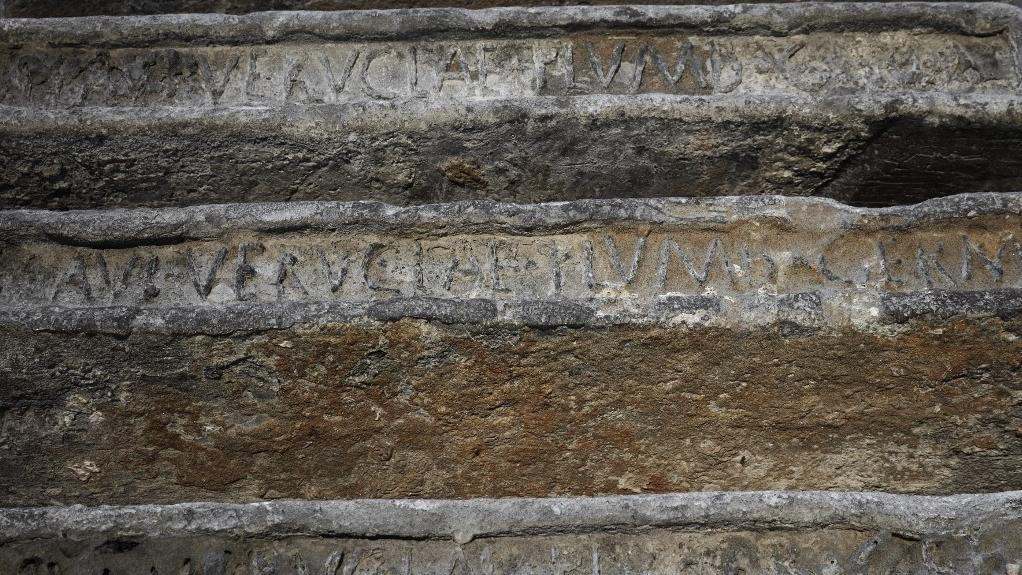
pixel 692 313
pixel 696 533
pixel 603 262
pixel 59 8
pixel 356 350
pixel 520 105
pixel 413 409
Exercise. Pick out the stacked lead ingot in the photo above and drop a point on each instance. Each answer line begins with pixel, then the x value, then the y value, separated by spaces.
pixel 739 292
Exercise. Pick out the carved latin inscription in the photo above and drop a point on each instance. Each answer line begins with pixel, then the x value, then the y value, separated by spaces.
pixel 632 263
pixel 585 64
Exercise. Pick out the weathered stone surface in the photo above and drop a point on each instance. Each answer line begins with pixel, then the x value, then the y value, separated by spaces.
pixel 320 350
pixel 522 105
pixel 416 409
pixel 314 58
pixel 61 8
pixel 610 261
pixel 772 532
pixel 359 350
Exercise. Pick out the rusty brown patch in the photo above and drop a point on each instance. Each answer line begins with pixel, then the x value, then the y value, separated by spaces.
pixel 413 409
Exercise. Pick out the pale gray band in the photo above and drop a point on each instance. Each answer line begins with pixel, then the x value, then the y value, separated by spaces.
pixel 978 19
pixel 463 520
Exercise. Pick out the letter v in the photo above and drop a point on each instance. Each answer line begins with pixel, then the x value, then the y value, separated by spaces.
pixel 203 286
pixel 605 77
pixel 214 88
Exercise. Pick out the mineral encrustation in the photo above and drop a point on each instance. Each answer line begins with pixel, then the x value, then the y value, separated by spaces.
pixel 658 289
pixel 878 104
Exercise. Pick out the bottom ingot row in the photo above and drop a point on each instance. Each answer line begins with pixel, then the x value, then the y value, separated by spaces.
pixel 331 350
pixel 708 533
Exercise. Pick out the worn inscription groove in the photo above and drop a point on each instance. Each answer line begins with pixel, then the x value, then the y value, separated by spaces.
pixel 621 63
pixel 630 263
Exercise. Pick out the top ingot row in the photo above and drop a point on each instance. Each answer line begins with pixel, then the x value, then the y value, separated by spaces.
pixel 872 104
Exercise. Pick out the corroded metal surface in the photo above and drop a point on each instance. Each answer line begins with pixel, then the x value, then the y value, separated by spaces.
pixel 519 104
pixel 226 382
pixel 324 58
pixel 359 350
pixel 742 260
pixel 767 532
pixel 58 8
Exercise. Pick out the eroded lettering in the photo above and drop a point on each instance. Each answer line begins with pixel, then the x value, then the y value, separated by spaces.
pixel 589 63
pixel 643 263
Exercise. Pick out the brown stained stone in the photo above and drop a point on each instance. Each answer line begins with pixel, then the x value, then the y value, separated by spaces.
pixel 319 351
pixel 419 409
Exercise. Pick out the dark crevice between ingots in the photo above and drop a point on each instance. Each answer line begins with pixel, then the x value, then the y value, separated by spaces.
pixel 912 161
pixel 514 153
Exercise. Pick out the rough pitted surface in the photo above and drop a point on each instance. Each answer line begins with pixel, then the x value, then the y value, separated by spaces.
pixel 316 385
pixel 412 107
pixel 61 8
pixel 415 409
pixel 709 533
pixel 748 261
pixel 359 350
